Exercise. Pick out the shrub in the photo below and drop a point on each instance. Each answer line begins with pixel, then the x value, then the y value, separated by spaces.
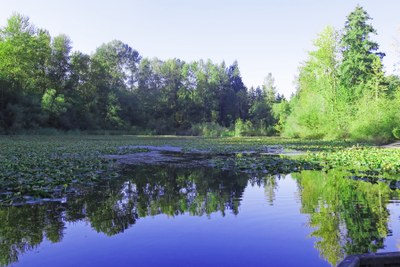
pixel 396 132
pixel 209 129
pixel 374 121
pixel 243 128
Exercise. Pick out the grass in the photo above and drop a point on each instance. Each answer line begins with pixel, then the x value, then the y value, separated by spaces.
pixel 55 166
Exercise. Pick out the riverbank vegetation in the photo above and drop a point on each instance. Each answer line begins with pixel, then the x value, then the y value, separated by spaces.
pixel 342 90
pixel 52 167
pixel 343 95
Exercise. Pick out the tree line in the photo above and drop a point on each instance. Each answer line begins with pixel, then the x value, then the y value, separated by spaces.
pixel 342 90
pixel 44 84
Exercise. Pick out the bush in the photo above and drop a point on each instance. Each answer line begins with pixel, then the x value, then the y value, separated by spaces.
pixel 243 128
pixel 209 129
pixel 376 120
pixel 396 132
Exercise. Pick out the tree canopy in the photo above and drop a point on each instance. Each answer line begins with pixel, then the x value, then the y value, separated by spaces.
pixel 342 90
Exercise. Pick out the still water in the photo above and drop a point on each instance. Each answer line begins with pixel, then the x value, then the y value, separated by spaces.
pixel 174 216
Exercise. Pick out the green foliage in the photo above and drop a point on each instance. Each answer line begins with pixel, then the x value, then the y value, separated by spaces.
pixel 316 101
pixel 265 164
pixel 269 89
pixel 53 103
pixel 113 89
pixel 209 129
pixel 343 93
pixel 393 84
pixel 24 51
pixel 396 132
pixel 113 108
pixel 41 166
pixel 260 114
pixel 59 62
pixel 372 163
pixel 242 128
pixel 281 111
pixel 375 121
pixel 345 216
pixel 359 54
pixel 261 103
pixel 45 169
pixel 43 84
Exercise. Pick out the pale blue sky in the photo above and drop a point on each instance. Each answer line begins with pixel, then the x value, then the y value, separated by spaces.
pixel 263 35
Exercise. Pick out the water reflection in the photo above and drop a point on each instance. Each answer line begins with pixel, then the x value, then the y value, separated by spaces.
pixel 350 217
pixel 24 228
pixel 346 216
pixel 114 207
pixel 161 190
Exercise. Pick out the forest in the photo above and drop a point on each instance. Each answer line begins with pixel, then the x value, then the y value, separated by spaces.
pixel 342 89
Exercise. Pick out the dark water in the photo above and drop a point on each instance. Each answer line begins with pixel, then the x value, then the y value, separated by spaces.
pixel 172 216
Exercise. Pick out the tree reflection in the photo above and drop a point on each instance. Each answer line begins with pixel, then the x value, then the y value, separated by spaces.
pixel 349 216
pixel 24 228
pixel 270 187
pixel 113 207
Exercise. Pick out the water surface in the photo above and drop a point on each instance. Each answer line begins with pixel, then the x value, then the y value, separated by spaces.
pixel 175 216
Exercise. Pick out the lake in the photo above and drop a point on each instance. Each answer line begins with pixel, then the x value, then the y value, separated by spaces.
pixel 169 215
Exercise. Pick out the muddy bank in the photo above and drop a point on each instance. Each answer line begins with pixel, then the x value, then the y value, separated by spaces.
pixel 160 155
pixel 392 145
pixel 176 155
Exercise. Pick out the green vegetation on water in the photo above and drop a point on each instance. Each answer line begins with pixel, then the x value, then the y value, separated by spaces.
pixel 41 167
pixel 373 161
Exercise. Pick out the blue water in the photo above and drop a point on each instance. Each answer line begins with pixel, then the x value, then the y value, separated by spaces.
pixel 270 228
pixel 260 235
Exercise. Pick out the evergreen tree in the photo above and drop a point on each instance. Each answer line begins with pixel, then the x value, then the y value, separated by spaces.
pixel 269 89
pixel 360 54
